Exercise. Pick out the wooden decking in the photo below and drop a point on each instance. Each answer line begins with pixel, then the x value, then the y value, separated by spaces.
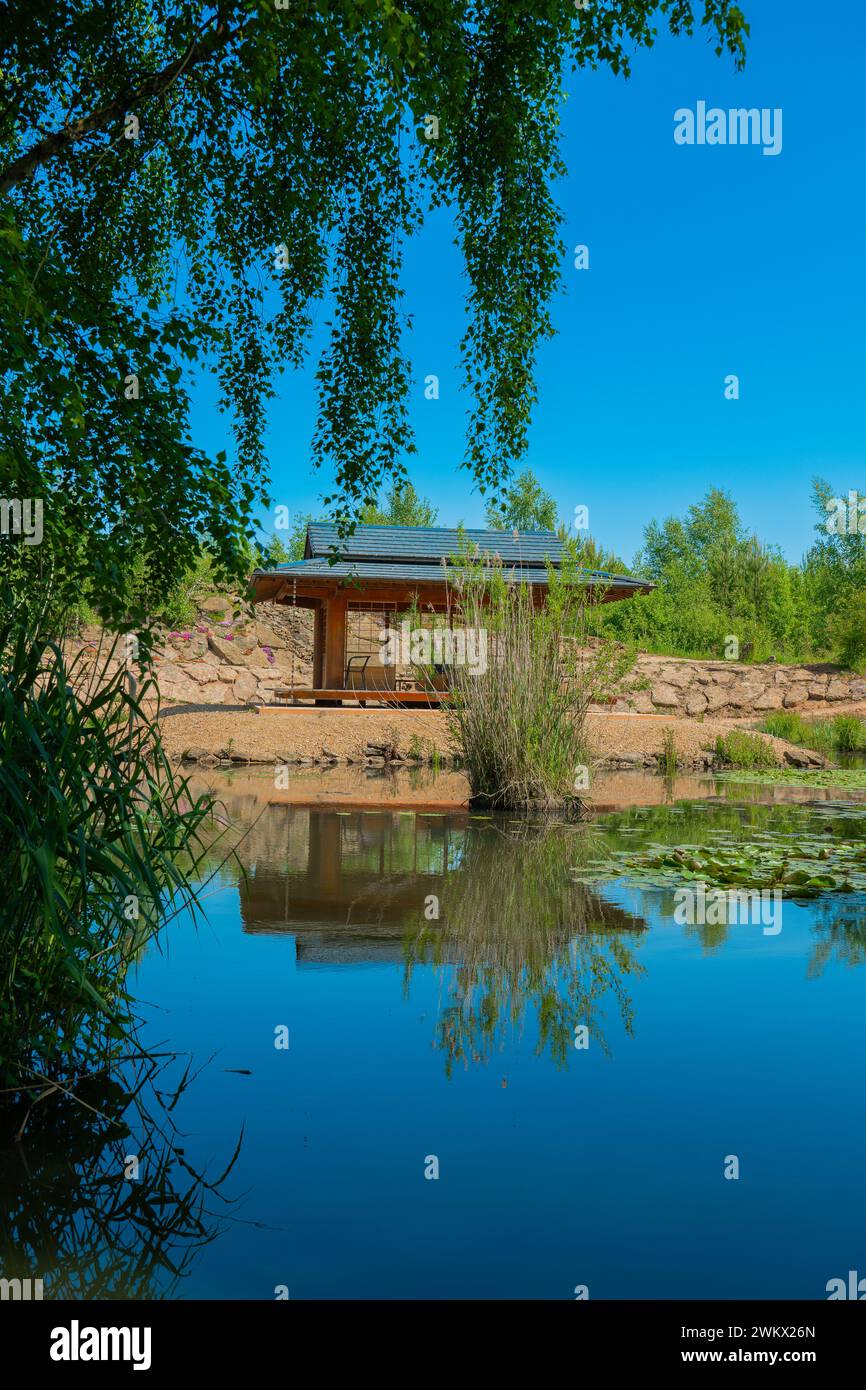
pixel 288 697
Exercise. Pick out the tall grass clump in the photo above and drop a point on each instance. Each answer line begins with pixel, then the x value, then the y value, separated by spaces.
pixel 739 749
pixel 849 733
pixel 846 733
pixel 789 725
pixel 520 723
pixel 99 838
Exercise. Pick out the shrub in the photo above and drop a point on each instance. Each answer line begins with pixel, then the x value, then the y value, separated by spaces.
pixel 739 749
pixel 848 632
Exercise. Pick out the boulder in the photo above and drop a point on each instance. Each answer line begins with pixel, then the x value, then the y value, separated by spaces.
pixel 717 698
pixel 769 699
pixel 245 687
pixel 795 695
pixel 229 651
pixel 838 690
pixel 201 671
pixel 269 637
pixel 744 696
pixel 665 696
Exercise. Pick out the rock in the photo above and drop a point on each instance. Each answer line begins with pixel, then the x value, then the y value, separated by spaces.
pixel 838 690
pixel 245 687
pixel 796 757
pixel 232 649
pixel 717 698
pixel 795 695
pixel 268 637
pixel 182 691
pixel 215 604
pixel 696 703
pixel 641 702
pixel 675 675
pixel 201 671
pixel 194 755
pixel 769 699
pixel 818 690
pixel 374 762
pixel 665 696
pixel 744 696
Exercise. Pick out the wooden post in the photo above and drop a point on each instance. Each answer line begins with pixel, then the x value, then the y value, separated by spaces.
pixel 335 641
pixel 319 645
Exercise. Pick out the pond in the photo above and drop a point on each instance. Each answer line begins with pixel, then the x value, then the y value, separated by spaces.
pixel 446 1066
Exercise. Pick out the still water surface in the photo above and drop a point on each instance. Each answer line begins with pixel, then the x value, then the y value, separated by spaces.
pixel 412 1037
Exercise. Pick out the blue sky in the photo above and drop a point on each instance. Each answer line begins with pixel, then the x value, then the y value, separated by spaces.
pixel 704 261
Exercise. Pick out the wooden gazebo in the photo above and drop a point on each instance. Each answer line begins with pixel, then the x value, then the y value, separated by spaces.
pixel 390 569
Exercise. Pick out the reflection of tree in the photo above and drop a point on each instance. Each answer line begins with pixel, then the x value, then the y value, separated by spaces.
pixel 525 936
pixel 842 935
pixel 71 1216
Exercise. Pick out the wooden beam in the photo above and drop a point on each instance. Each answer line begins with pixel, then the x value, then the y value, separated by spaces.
pixel 319 644
pixel 335 639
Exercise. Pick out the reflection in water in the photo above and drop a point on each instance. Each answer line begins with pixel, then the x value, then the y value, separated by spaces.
pixel 491 903
pixel 97 1198
pixel 511 931
pixel 841 932
pixel 525 936
pixel 520 954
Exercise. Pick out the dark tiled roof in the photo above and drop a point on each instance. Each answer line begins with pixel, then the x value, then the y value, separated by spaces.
pixel 426 545
pixel 431 573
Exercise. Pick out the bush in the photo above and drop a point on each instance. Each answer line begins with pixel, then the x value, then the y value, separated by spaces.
pixel 738 749
pixel 848 632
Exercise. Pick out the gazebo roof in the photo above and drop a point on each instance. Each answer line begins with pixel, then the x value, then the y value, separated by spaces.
pixel 430 545
pixel 425 555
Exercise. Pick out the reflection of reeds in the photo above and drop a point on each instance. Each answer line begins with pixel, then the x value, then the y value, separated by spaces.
pixel 525 935
pixel 71 1215
pixel 841 936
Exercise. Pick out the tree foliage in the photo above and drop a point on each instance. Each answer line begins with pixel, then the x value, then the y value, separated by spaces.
pixel 182 184
pixel 524 506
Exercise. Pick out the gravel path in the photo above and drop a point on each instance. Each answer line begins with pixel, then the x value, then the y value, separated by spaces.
pixel 307 733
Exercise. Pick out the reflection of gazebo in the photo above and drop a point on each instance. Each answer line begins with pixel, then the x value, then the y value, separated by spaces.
pixel 341 910
pixel 388 570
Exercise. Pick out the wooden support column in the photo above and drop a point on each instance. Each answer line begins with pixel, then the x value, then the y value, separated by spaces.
pixel 335 641
pixel 319 645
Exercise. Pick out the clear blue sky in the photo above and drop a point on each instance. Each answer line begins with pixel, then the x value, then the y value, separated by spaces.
pixel 704 261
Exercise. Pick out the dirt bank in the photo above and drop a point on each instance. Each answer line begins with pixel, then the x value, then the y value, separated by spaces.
pixel 307 736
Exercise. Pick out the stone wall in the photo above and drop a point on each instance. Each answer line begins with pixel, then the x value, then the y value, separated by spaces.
pixel 220 660
pixel 727 689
